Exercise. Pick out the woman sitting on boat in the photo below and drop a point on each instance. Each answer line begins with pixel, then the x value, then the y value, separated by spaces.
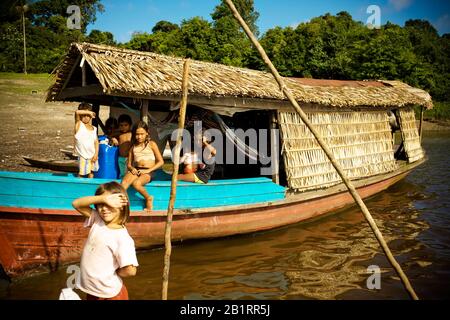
pixel 201 172
pixel 144 159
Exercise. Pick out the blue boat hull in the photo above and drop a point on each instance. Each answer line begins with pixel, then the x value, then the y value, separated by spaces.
pixel 58 190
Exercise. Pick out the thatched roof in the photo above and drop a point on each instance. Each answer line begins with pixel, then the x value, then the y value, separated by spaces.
pixel 129 73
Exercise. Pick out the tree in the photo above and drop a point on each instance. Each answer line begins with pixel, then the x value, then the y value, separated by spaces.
pixel 245 8
pixel 164 26
pixel 47 34
pixel 232 46
pixel 101 37
pixel 197 38
pixel 139 41
pixel 43 10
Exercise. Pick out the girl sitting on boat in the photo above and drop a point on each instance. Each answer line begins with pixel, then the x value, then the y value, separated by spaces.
pixel 201 172
pixel 109 253
pixel 144 159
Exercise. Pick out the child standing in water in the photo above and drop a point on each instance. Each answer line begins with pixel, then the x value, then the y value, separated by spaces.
pixel 109 253
pixel 143 159
pixel 86 142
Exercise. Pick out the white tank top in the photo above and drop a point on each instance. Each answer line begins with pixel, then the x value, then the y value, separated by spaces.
pixel 85 141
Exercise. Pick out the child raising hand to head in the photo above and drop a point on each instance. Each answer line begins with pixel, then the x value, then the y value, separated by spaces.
pixel 109 253
pixel 86 143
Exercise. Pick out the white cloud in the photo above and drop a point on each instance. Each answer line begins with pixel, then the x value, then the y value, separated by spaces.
pixel 294 25
pixel 442 24
pixel 400 4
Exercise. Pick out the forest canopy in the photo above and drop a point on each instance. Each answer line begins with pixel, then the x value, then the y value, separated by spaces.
pixel 326 47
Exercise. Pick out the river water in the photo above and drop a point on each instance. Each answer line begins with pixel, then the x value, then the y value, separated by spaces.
pixel 324 259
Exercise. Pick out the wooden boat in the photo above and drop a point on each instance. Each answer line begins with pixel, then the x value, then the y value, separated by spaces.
pixel 68 153
pixel 39 230
pixel 52 164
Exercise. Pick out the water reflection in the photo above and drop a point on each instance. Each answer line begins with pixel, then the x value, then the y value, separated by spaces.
pixel 324 259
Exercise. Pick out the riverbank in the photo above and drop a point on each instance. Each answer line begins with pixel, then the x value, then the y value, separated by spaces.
pixel 38 129
pixel 31 126
pixel 435 125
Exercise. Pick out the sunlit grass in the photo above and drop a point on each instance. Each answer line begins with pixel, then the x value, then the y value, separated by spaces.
pixel 24 84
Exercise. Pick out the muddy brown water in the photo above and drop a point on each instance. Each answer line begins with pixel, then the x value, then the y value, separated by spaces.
pixel 324 259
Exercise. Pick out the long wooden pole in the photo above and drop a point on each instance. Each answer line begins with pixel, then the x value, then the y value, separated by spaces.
pixel 24 42
pixel 274 148
pixel 173 186
pixel 421 123
pixel 327 151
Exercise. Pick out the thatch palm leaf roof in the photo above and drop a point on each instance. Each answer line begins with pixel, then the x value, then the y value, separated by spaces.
pixel 139 74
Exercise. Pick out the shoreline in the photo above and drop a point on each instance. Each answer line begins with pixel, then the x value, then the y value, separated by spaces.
pixel 435 125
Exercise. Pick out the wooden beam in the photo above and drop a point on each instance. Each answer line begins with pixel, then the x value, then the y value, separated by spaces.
pixel 247 103
pixel 81 92
pixel 421 124
pixel 97 121
pixel 70 74
pixel 83 75
pixel 274 148
pixel 144 111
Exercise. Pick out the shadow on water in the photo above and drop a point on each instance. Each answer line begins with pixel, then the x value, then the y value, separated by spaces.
pixel 324 259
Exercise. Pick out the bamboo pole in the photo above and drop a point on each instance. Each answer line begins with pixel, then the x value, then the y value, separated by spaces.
pixel 144 111
pixel 24 8
pixel 274 148
pixel 327 151
pixel 173 186
pixel 421 124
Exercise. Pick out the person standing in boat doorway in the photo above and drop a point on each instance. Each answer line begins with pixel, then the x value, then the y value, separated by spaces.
pixel 109 253
pixel 124 142
pixel 86 142
pixel 144 159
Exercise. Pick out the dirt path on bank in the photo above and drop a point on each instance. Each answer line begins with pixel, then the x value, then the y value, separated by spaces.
pixel 30 126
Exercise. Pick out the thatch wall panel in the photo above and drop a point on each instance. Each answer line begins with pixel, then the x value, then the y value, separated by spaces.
pixel 410 135
pixel 360 141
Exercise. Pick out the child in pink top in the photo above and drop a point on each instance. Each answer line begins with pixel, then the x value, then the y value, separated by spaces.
pixel 144 159
pixel 109 253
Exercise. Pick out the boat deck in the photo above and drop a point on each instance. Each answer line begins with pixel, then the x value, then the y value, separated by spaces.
pixel 58 190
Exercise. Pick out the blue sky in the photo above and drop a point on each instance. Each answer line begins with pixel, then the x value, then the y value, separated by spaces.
pixel 122 17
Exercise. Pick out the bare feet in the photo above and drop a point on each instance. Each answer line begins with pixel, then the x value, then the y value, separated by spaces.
pixel 149 204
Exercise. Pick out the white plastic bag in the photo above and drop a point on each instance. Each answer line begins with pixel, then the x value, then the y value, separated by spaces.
pixel 68 294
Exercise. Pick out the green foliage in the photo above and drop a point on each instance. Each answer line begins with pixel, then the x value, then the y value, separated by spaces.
pixel 164 26
pixel 328 46
pixel 42 11
pixel 246 9
pixel 337 47
pixel 440 111
pixel 46 33
pixel 100 37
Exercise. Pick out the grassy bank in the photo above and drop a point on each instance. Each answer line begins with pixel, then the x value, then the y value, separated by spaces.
pixel 24 84
pixel 440 111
